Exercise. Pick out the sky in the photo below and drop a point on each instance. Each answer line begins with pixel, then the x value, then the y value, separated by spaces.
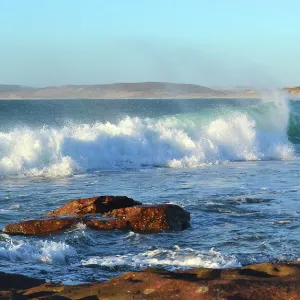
pixel 215 43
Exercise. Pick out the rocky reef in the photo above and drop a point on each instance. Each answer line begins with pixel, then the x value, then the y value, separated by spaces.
pixel 263 281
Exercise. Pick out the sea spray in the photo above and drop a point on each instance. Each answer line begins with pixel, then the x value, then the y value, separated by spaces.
pixel 210 136
pixel 278 113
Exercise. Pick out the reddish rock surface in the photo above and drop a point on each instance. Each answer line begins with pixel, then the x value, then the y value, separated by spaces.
pixel 264 281
pixel 94 205
pixel 38 227
pixel 110 224
pixel 117 212
pixel 150 218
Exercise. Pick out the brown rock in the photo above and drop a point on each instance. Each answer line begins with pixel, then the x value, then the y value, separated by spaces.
pixel 263 281
pixel 37 227
pixel 110 224
pixel 119 212
pixel 144 218
pixel 102 204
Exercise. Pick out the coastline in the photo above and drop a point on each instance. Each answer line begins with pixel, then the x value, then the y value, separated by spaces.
pixel 138 90
pixel 252 282
pixel 136 98
pixel 147 98
pixel 294 98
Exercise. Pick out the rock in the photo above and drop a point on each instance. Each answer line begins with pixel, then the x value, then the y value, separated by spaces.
pixel 16 281
pixel 38 227
pixel 263 281
pixel 144 218
pixel 94 205
pixel 110 224
pixel 117 212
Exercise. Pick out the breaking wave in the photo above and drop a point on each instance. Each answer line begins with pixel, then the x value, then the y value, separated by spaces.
pixel 258 132
pixel 47 252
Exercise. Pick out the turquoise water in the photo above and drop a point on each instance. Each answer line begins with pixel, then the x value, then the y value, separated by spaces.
pixel 232 163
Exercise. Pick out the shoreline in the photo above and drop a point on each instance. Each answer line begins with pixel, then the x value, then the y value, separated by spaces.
pixel 257 97
pixel 136 90
pixel 251 282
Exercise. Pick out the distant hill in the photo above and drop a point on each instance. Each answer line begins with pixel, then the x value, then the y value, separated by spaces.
pixel 126 90
pixel 110 91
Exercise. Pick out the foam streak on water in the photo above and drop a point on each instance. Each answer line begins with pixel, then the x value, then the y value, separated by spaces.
pixel 172 259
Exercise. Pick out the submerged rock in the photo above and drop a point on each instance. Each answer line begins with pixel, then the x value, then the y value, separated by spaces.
pixel 94 205
pixel 263 281
pixel 38 227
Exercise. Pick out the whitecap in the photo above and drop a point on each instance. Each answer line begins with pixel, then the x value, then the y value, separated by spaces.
pixel 48 252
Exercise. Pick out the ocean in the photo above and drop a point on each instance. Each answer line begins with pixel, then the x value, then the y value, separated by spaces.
pixel 232 163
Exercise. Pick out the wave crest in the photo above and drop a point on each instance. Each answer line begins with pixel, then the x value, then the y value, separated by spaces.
pixel 178 141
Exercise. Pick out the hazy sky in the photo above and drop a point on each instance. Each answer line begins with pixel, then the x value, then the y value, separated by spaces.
pixel 211 42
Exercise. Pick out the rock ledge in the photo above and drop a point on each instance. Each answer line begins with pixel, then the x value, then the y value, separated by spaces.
pixel 253 282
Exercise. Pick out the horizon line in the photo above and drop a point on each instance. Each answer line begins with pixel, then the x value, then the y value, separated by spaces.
pixel 143 82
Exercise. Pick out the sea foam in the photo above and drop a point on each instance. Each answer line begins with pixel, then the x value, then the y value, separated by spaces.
pixel 168 258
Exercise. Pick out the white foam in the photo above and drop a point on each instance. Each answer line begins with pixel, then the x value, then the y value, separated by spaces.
pixel 283 222
pixel 36 251
pixel 171 259
pixel 134 142
pixel 80 226
pixel 135 237
pixel 14 206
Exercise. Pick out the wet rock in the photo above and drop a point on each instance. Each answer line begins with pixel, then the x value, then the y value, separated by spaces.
pixel 109 224
pixel 144 218
pixel 263 281
pixel 106 213
pixel 38 227
pixel 94 205
pixel 16 281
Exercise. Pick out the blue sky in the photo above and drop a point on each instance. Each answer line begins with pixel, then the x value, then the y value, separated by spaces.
pixel 212 43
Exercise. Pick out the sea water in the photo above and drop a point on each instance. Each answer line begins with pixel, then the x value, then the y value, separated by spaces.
pixel 232 163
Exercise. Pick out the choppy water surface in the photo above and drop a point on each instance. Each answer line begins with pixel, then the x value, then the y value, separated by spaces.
pixel 232 163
